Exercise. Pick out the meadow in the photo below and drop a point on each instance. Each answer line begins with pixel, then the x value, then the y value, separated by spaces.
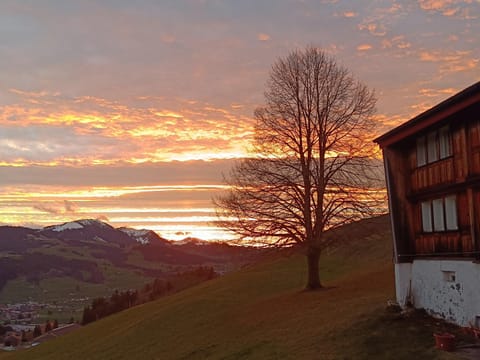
pixel 262 312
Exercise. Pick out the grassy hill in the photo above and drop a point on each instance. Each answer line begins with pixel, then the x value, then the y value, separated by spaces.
pixel 262 312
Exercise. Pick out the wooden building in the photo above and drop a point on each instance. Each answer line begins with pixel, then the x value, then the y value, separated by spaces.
pixel 432 169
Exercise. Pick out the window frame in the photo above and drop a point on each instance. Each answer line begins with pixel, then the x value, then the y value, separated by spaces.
pixel 439 215
pixel 434 146
pixel 451 208
pixel 444 143
pixel 421 151
pixel 426 214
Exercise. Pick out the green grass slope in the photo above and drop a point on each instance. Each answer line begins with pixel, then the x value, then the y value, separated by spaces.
pixel 262 312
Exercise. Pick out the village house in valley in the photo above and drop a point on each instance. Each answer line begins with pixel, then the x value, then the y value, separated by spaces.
pixel 432 168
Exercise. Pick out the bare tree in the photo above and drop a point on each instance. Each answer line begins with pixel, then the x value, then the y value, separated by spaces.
pixel 310 168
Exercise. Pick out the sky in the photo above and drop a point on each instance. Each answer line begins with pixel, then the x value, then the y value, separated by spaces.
pixel 132 111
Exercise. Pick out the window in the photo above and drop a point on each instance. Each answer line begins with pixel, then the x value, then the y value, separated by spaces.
pixel 432 147
pixel 444 143
pixel 421 151
pixel 427 216
pixel 449 276
pixel 436 145
pixel 451 212
pixel 439 214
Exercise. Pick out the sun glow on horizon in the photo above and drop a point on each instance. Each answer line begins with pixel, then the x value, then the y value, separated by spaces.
pixel 173 211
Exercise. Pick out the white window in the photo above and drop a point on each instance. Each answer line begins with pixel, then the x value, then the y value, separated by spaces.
pixel 427 216
pixel 451 212
pixel 421 151
pixel 440 214
pixel 444 142
pixel 435 146
pixel 432 147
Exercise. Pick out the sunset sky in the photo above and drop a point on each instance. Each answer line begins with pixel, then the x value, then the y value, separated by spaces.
pixel 130 111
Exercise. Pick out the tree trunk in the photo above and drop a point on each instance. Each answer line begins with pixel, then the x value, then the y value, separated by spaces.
pixel 313 257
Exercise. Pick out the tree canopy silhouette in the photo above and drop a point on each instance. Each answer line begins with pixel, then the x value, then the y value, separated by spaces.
pixel 311 163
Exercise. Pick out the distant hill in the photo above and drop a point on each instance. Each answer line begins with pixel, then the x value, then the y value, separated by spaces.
pixel 88 230
pixel 262 312
pixel 143 236
pixel 93 252
pixel 99 231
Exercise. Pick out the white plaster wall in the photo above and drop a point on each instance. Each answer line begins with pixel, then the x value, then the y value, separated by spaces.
pixel 449 289
pixel 403 276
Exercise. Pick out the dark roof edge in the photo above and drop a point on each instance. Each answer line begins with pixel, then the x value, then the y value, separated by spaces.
pixel 460 96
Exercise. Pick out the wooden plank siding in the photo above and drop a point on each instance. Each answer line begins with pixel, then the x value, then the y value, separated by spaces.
pixel 445 177
pixel 460 154
pixel 474 139
pixel 475 224
pixel 401 209
pixel 440 172
pixel 455 243
pixel 476 161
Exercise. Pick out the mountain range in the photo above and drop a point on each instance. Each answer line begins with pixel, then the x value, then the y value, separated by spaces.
pixel 92 251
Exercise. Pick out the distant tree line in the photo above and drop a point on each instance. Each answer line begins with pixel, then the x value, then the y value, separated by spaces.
pixel 49 326
pixel 102 306
pixel 122 300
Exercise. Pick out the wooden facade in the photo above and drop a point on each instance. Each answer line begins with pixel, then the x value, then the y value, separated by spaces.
pixel 432 166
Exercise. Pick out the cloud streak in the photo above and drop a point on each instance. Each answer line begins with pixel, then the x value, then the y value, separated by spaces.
pixel 66 207
pixel 117 175
pixel 55 129
pixel 451 61
pixel 464 9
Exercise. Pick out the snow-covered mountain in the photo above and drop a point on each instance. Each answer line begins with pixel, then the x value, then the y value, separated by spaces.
pixel 88 230
pixel 75 225
pixel 142 236
pixel 91 229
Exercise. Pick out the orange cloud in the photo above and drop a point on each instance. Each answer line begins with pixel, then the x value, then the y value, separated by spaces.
pixel 428 92
pixel 450 12
pixel 263 37
pixel 364 47
pixel 91 130
pixel 350 14
pixel 448 7
pixel 428 97
pixel 421 107
pixel 415 99
pixel 450 61
pixel 438 5
pixel 388 121
pixel 398 42
pixel 168 38
pixel 373 28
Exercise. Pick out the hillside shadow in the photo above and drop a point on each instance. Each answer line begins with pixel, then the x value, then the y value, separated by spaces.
pixel 391 335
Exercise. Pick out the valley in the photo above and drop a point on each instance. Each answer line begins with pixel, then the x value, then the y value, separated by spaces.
pixel 62 268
